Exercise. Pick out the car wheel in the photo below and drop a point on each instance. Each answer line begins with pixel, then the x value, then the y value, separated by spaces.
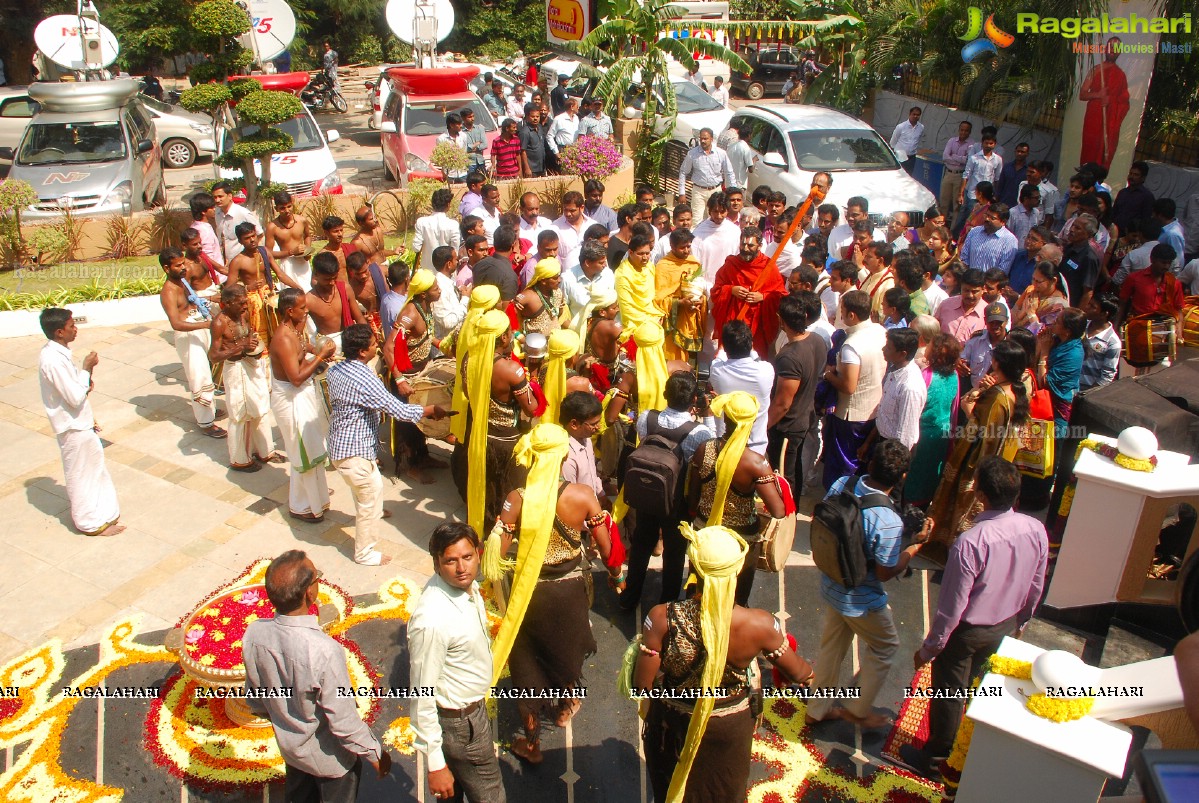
pixel 755 91
pixel 177 153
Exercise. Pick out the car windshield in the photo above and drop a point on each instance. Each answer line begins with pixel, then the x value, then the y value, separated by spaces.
pixel 841 150
pixel 301 128
pixel 426 118
pixel 156 104
pixel 72 143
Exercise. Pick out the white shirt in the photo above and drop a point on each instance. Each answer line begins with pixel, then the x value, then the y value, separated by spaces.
pixel 463 142
pixel 742 158
pixel 449 649
pixel 570 239
pixel 720 95
pixel 789 257
pixel 516 107
pixel 491 221
pixel 714 244
pixel 529 231
pixel 824 328
pixel 842 236
pixel 227 223
pixel 904 395
pixel 64 390
pixel 563 131
pixel 1189 276
pixel 433 231
pixel 449 310
pixel 1134 260
pixel 906 138
pixel 830 299
pixel 755 377
pixel 576 286
pixel 934 295
pixel 596 126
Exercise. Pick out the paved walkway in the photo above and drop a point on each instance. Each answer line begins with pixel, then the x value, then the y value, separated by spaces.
pixel 193 524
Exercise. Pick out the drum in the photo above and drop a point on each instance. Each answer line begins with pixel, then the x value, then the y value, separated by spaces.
pixel 777 537
pixel 434 385
pixel 1149 339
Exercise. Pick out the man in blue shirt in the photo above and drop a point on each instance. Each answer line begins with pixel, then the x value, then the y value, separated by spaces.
pixel 358 397
pixel 863 611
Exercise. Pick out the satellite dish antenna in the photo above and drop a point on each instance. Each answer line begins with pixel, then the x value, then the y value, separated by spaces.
pixel 77 42
pixel 272 28
pixel 422 24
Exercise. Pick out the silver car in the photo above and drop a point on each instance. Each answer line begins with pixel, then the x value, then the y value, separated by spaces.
pixel 16 110
pixel 183 135
pixel 90 147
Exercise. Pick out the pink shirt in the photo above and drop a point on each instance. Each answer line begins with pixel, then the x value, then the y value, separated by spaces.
pixel 959 322
pixel 209 244
pixel 579 466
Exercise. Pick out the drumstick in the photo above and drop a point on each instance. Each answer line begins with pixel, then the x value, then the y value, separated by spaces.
pixel 815 195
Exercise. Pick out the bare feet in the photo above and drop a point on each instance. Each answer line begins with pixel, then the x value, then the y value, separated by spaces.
pixel 113 529
pixel 528 751
pixel 419 474
pixel 658 548
pixel 273 457
pixel 567 711
pixel 249 468
pixel 386 513
pixel 432 462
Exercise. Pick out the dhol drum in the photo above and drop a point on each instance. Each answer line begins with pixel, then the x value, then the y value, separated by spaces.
pixel 434 385
pixel 1149 339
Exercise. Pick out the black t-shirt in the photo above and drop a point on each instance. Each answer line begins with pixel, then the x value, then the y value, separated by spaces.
pixel 558 96
pixel 498 271
pixel 1080 268
pixel 532 142
pixel 617 248
pixel 803 360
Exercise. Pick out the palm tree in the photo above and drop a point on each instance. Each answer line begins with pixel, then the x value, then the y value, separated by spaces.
pixel 634 45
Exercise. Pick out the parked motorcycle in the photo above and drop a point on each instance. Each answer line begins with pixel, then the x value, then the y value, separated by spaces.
pixel 321 94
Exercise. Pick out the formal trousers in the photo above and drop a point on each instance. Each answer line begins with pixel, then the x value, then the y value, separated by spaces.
pixel 248 398
pixel 469 751
pixel 366 485
pixel 674 556
pixel 699 199
pixel 880 641
pixel 303 787
pixel 92 495
pixel 192 348
pixel 968 648
pixel 300 414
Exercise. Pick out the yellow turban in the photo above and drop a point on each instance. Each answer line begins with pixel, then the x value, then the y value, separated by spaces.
pixel 482 299
pixel 741 408
pixel 563 344
pixel 491 325
pixel 651 367
pixel 600 298
pixel 421 281
pixel 717 555
pixel 545 269
pixel 542 452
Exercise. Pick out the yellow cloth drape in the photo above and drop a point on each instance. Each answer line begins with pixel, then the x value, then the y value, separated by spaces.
pixel 599 298
pixel 651 367
pixel 542 452
pixel 545 269
pixel 716 554
pixel 635 294
pixel 478 375
pixel 684 328
pixel 742 409
pixel 563 344
pixel 421 281
pixel 481 299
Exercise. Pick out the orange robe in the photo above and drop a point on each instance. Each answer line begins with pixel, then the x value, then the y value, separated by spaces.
pixel 1106 92
pixel 761 277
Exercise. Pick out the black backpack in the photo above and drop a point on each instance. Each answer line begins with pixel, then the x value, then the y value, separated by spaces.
pixel 654 471
pixel 838 537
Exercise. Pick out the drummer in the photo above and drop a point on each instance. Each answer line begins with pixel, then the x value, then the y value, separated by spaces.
pixel 408 351
pixel 332 305
pixel 542 305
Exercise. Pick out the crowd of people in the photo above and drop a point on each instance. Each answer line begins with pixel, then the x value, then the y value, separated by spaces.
pixel 688 372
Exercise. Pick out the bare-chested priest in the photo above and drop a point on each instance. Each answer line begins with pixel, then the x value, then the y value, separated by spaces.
pixel 202 273
pixel 370 237
pixel 256 269
pixel 191 320
pixel 288 237
pixel 366 291
pixel 335 243
pixel 332 305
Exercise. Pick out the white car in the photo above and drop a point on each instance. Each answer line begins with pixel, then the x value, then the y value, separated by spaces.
pixel 794 142
pixel 183 134
pixel 697 110
pixel 308 169
pixel 16 110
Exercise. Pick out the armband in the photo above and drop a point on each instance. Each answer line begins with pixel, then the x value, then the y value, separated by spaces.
pixel 596 521
pixel 501 527
pixel 778 653
pixel 646 650
pixel 765 480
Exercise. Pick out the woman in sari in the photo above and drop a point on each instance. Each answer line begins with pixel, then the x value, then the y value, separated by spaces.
pixel 999 402
pixel 936 421
pixel 1042 302
pixel 934 218
pixel 984 196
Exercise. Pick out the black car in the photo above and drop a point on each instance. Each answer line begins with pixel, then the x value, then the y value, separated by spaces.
pixel 771 66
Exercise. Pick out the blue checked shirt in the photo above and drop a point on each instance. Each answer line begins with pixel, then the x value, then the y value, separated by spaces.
pixel 358 397
pixel 985 251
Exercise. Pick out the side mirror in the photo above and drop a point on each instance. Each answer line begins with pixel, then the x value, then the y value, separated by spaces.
pixel 387 127
pixel 774 159
pixel 6 154
pixel 145 146
pixel 332 136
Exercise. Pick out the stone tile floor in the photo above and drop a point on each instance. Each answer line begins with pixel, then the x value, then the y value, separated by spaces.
pixel 193 524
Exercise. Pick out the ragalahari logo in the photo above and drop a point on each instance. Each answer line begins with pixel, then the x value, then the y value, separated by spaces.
pixel 983 37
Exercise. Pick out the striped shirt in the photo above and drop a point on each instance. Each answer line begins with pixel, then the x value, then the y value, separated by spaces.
pixel 985 251
pixel 1100 358
pixel 506 153
pixel 358 399
pixel 883 531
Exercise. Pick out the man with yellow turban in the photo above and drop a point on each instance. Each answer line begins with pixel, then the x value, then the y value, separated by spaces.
pixel 601 338
pixel 542 305
pixel 635 284
pixel 546 633
pixel 681 301
pixel 498 391
pixel 562 346
pixel 728 478
pixel 407 351
pixel 698 751
pixel 482 298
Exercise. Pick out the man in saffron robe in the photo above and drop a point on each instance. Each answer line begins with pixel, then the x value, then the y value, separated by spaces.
pixel 748 288
pixel 1105 91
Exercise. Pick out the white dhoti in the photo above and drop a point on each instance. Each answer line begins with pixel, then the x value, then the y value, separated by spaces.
pixel 300 414
pixel 192 348
pixel 93 497
pixel 299 269
pixel 248 397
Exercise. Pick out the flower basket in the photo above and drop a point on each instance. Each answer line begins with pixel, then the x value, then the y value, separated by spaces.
pixel 591 157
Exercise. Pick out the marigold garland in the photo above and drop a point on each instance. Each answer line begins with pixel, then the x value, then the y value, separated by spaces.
pixel 400 736
pixel 1120 459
